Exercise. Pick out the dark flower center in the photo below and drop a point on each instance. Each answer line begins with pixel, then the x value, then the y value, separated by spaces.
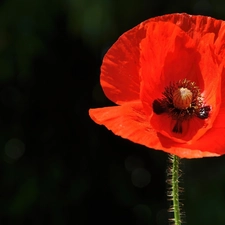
pixel 181 101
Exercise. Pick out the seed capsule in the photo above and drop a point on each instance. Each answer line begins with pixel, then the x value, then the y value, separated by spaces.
pixel 182 98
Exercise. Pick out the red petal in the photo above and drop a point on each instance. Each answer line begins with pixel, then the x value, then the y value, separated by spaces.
pixel 213 139
pixel 129 121
pixel 191 130
pixel 194 25
pixel 120 68
pixel 199 26
pixel 223 89
pixel 220 41
pixel 168 56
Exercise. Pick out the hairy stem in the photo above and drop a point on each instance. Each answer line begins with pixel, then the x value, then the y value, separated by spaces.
pixel 175 190
pixel 173 193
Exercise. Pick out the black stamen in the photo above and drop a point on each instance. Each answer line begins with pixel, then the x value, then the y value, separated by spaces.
pixel 204 112
pixel 178 127
pixel 157 107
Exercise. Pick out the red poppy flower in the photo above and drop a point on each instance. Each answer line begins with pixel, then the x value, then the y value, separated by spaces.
pixel 167 77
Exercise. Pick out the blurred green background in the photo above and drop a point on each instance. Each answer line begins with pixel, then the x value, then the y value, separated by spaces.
pixel 57 166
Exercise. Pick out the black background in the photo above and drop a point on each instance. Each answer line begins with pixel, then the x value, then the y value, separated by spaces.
pixel 57 165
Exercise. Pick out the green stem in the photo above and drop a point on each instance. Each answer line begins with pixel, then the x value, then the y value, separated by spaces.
pixel 175 189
